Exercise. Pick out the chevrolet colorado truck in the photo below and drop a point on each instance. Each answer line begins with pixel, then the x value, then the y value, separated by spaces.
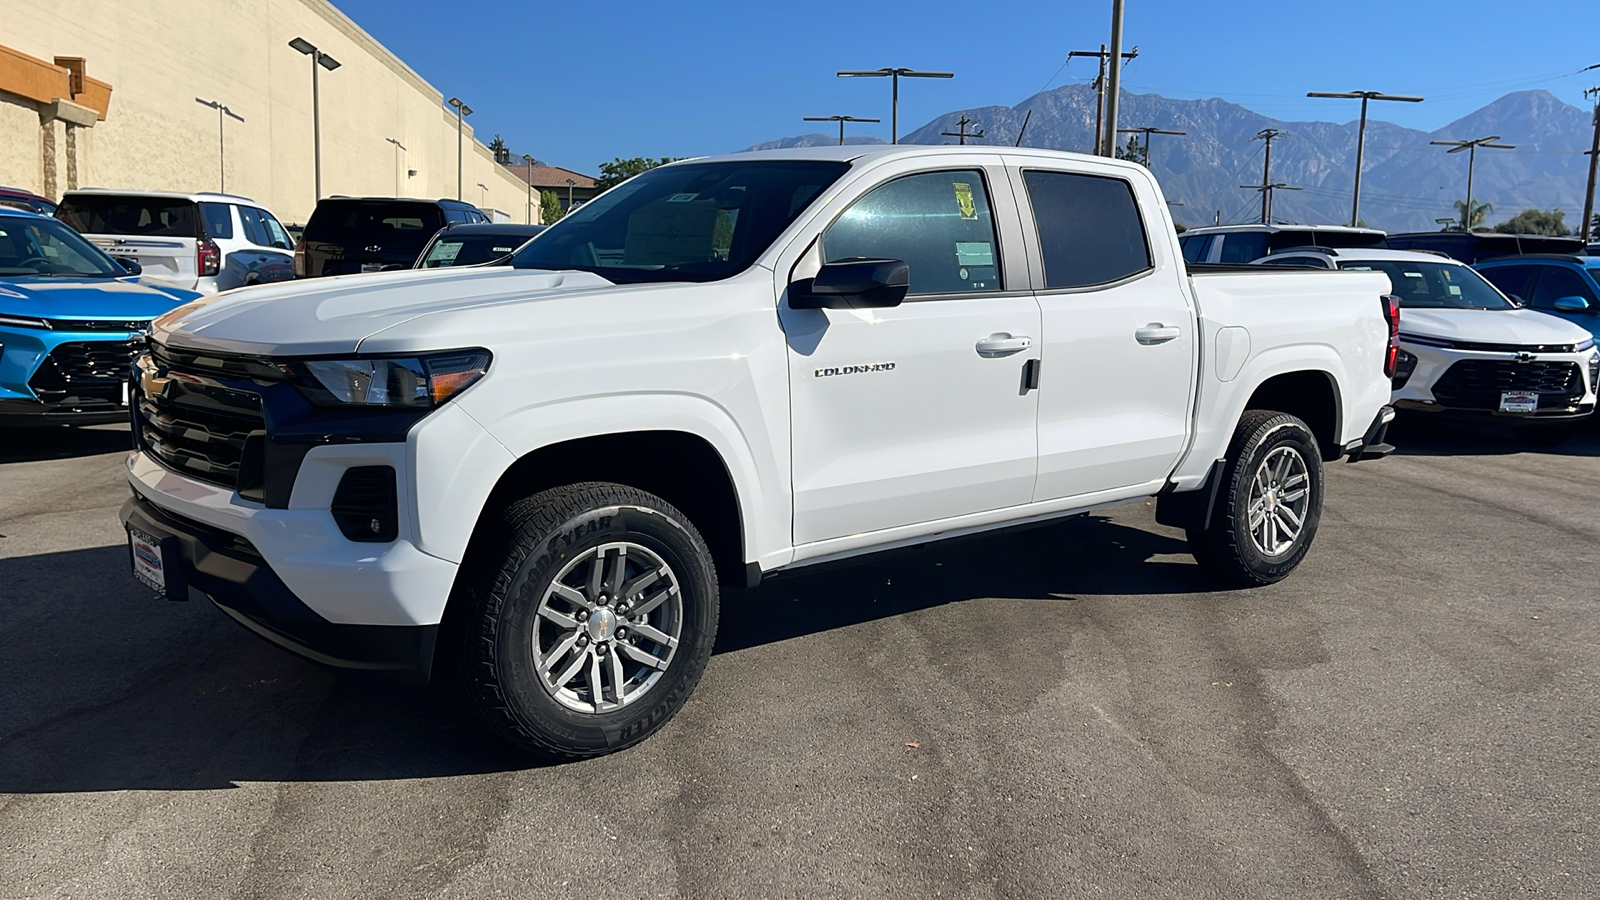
pixel 721 369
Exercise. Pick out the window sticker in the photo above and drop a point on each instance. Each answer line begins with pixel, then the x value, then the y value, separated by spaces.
pixel 1455 289
pixel 964 202
pixel 444 251
pixel 974 253
pixel 682 198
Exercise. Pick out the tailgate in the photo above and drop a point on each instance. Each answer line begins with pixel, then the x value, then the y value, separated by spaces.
pixel 170 260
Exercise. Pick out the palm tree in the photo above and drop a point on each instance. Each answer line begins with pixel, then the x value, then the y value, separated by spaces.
pixel 1480 213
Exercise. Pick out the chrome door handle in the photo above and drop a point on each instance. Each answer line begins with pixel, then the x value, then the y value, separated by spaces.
pixel 1156 333
pixel 1003 344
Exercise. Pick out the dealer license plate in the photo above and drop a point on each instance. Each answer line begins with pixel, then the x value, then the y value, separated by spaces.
pixel 148 565
pixel 1519 402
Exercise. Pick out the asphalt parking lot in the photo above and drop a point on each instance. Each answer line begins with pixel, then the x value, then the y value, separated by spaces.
pixel 1067 712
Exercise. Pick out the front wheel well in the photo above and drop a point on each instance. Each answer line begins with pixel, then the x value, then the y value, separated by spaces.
pixel 680 468
pixel 1310 396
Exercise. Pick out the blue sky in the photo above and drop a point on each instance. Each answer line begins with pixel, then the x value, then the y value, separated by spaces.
pixel 575 84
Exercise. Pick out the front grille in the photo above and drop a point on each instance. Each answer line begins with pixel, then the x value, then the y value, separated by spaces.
pixel 1478 383
pixel 85 374
pixel 200 427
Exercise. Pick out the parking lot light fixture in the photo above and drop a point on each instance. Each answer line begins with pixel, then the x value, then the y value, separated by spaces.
pixel 462 109
pixel 319 60
pixel 1361 133
pixel 399 149
pixel 894 103
pixel 483 194
pixel 223 113
pixel 841 120
pixel 570 185
pixel 528 161
pixel 1472 158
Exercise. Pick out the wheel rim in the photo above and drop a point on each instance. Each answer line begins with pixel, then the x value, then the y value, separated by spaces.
pixel 607 628
pixel 1280 494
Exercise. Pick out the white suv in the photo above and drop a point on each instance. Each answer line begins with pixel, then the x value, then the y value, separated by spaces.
pixel 202 241
pixel 1468 350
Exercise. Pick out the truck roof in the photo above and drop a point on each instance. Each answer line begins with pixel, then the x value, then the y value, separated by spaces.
pixel 854 152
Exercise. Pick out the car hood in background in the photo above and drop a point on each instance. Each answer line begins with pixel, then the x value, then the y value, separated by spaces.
pixel 334 315
pixel 88 298
pixel 1490 326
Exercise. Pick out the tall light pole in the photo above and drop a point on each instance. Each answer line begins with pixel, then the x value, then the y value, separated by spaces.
pixel 399 149
pixel 894 103
pixel 570 185
pixel 1149 161
pixel 1114 85
pixel 1361 134
pixel 528 161
pixel 461 110
pixel 323 61
pixel 222 154
pixel 841 120
pixel 483 194
pixel 1472 152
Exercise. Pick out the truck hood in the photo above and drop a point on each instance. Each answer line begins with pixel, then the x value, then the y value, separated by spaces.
pixel 1490 326
pixel 88 298
pixel 334 315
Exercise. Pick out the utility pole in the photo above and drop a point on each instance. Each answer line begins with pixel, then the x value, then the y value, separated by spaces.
pixel 1472 153
pixel 1266 188
pixel 1147 130
pixel 1361 134
pixel 1594 157
pixel 1100 89
pixel 1114 85
pixel 963 133
pixel 894 102
pixel 1267 134
pixel 841 120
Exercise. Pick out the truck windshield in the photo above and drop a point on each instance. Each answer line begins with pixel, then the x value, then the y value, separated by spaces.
pixel 44 247
pixel 1430 285
pixel 692 222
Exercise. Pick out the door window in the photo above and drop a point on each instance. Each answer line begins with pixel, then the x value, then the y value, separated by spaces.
pixel 1197 248
pixel 1511 280
pixel 939 223
pixel 1243 247
pixel 277 235
pixel 1556 282
pixel 1089 228
pixel 218 220
pixel 255 232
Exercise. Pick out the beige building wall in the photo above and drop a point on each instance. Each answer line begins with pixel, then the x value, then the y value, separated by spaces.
pixel 160 55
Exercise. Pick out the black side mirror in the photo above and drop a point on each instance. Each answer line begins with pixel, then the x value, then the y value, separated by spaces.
pixel 131 265
pixel 853 284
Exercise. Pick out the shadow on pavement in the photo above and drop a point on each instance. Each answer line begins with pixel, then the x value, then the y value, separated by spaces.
pixel 35 443
pixel 1420 434
pixel 103 687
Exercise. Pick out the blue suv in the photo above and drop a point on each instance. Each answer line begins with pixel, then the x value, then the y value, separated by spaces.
pixel 71 319
pixel 1561 285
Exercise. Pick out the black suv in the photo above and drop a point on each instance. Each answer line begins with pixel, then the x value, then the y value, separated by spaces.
pixel 369 234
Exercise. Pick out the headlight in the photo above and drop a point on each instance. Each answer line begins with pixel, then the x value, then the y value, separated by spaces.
pixel 1584 345
pixel 24 322
pixel 407 381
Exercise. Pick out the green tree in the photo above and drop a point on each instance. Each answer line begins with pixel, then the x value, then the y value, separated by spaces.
pixel 1480 213
pixel 502 154
pixel 619 170
pixel 1135 151
pixel 1535 221
pixel 550 207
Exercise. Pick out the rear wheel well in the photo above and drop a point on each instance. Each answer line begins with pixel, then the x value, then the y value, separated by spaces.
pixel 680 468
pixel 1309 396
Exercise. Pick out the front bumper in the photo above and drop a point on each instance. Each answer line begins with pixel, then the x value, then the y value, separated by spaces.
pixel 64 377
pixel 231 572
pixel 1439 384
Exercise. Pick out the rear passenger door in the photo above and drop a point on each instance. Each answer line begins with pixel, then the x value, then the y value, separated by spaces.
pixel 1118 359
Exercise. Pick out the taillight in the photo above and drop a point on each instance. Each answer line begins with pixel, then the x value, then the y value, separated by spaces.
pixel 300 258
pixel 1391 314
pixel 208 259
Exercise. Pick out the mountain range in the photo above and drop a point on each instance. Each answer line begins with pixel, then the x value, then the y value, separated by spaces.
pixel 1406 183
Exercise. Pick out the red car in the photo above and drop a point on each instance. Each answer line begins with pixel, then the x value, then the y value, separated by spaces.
pixel 21 199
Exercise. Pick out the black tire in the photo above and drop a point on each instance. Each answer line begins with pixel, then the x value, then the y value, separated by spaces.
pixel 540 537
pixel 1226 549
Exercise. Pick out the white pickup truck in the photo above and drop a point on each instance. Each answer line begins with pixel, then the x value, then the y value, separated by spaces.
pixel 721 369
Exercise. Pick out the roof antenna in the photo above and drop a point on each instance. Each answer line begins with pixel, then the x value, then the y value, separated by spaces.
pixel 1024 129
